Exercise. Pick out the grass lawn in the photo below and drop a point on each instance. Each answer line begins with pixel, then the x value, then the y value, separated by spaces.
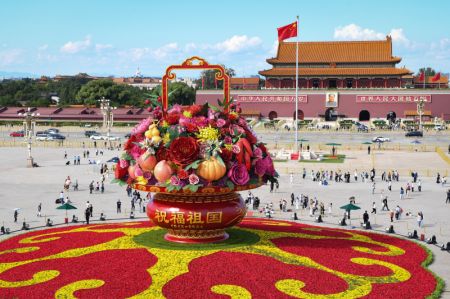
pixel 327 159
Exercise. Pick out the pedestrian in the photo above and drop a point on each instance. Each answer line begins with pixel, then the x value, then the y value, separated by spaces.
pixel 419 219
pixel 102 187
pixel 389 185
pixel 419 185
pixel 365 217
pixel 87 215
pixel 374 208
pixel 16 214
pixel 368 150
pixel 91 209
pixel 330 208
pixel 373 188
pixel 61 197
pixel 119 206
pixel 291 178
pixel 97 187
pixel 448 196
pixel 91 187
pixel 39 209
pixel 402 192
pixel 78 160
pixel 391 215
pixel 385 204
pixel 74 160
pixel 304 173
pixel 65 155
pixel 356 175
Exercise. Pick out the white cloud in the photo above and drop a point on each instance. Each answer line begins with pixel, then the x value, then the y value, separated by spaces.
pixel 238 43
pixel 43 47
pixel 10 56
pixel 101 47
pixel 165 50
pixel 77 46
pixel 274 49
pixel 355 32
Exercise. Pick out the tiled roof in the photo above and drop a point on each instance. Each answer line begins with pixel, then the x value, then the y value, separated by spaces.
pixel 250 80
pixel 335 72
pixel 336 51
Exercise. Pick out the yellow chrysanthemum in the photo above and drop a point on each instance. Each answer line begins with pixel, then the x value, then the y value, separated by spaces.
pixel 208 134
pixel 166 138
pixel 187 114
pixel 228 146
pixel 140 180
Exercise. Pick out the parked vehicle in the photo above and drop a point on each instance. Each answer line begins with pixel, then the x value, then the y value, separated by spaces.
pixel 17 134
pixel 380 139
pixel 440 127
pixel 53 131
pixel 90 133
pixel 414 134
pixel 112 138
pixel 41 136
pixel 97 137
pixel 55 137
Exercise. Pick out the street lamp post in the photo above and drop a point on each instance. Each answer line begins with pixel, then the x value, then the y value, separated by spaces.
pixel 420 106
pixel 28 127
pixel 108 116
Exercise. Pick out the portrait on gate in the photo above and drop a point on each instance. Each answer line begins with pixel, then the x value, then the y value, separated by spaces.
pixel 331 99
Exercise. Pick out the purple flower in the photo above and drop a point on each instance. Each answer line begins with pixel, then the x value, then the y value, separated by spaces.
pixel 238 174
pixel 220 122
pixel 193 179
pixel 257 152
pixel 260 167
pixel 174 181
pixel 270 169
pixel 228 140
pixel 175 109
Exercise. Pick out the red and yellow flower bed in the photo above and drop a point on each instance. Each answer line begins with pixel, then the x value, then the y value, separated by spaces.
pixel 286 260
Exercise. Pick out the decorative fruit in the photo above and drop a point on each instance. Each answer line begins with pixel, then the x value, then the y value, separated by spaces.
pixel 154 131
pixel 148 134
pixel 211 169
pixel 162 171
pixel 147 162
pixel 151 126
pixel 131 170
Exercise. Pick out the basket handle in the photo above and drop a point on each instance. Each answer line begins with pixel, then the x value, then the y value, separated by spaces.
pixel 195 62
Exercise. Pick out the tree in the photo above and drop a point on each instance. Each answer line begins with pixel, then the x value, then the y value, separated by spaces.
pixel 428 71
pixel 208 77
pixel 179 93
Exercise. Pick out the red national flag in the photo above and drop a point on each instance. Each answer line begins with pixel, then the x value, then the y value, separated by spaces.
pixel 436 77
pixel 287 31
pixel 422 76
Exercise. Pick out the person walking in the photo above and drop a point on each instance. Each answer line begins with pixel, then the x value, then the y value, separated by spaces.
pixel 389 185
pixel 373 188
pixel 119 206
pixel 87 215
pixel 16 214
pixel 91 187
pixel 448 196
pixel 385 204
pixel 402 193
pixel 65 155
pixel 374 208
pixel 419 219
pixel 391 215
pixel 102 188
pixel 368 150
pixel 365 217
pixel 419 185
pixel 39 209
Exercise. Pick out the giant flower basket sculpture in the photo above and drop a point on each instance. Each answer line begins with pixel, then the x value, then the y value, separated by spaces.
pixel 194 159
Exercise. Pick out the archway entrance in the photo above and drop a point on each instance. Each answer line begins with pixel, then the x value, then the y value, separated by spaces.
pixel 301 115
pixel 330 115
pixel 273 115
pixel 364 115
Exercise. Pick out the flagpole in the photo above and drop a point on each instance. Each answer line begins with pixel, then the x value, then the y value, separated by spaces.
pixel 296 91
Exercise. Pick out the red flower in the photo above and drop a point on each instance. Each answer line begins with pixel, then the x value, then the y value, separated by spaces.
pixel 129 144
pixel 194 109
pixel 250 137
pixel 232 116
pixel 119 171
pixel 263 148
pixel 182 174
pixel 183 150
pixel 172 118
pixel 226 155
pixel 190 127
pixel 162 154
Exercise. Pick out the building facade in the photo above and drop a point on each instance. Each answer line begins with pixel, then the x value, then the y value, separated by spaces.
pixel 337 64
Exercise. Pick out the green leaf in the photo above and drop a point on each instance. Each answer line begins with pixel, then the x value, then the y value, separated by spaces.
pixel 193 165
pixel 220 103
pixel 193 188
pixel 117 181
pixel 219 158
pixel 170 188
pixel 230 184
pixel 253 181
pixel 126 156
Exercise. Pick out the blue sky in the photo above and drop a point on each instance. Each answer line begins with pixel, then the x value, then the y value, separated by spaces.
pixel 115 37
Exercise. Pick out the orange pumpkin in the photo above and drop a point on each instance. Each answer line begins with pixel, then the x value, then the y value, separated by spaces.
pixel 212 169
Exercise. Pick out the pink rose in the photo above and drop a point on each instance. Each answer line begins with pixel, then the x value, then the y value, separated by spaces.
pixel 220 122
pixel 141 127
pixel 228 140
pixel 238 174
pixel 174 181
pixel 193 179
pixel 236 149
pixel 123 163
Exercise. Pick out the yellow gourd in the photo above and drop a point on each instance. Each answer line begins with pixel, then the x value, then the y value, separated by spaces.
pixel 211 169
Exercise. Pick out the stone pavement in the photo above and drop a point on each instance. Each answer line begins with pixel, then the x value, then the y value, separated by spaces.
pixel 25 188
